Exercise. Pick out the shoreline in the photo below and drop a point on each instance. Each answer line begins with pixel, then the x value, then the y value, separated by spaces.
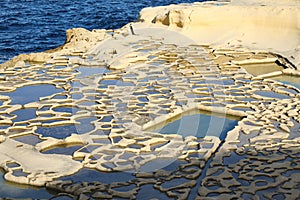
pixel 163 70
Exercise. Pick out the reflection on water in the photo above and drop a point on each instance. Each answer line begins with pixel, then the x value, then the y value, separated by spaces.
pixel 59 132
pixel 291 80
pixel 24 114
pixel 31 93
pixel 271 94
pixel 30 139
pixel 89 175
pixel 89 71
pixel 10 190
pixel 149 192
pixel 200 124
pixel 63 149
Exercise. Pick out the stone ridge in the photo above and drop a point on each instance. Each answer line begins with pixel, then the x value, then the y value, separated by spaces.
pixel 274 26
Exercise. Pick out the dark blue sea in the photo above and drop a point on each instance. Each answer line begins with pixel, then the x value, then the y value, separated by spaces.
pixel 37 25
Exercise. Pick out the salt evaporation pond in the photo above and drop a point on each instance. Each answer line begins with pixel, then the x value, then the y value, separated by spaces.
pixel 200 124
pixel 31 93
pixel 291 80
pixel 86 90
pixel 193 123
pixel 16 191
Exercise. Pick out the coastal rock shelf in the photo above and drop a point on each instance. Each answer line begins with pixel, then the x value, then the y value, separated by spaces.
pixel 261 156
pixel 80 119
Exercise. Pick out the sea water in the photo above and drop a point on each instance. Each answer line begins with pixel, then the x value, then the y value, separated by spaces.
pixel 28 26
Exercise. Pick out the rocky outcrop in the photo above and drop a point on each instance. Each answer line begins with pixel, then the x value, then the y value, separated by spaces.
pixel 113 90
pixel 82 39
pixel 274 27
pixel 77 40
pixel 174 17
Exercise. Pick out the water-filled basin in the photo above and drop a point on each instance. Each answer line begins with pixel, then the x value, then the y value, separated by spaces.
pixel 199 124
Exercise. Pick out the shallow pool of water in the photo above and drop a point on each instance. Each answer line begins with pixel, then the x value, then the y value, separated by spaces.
pixel 200 124
pixel 14 191
pixel 31 93
pixel 24 114
pixel 90 175
pixel 263 68
pixel 89 71
pixel 63 149
pixel 30 139
pixel 59 132
pixel 291 80
pixel 271 94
